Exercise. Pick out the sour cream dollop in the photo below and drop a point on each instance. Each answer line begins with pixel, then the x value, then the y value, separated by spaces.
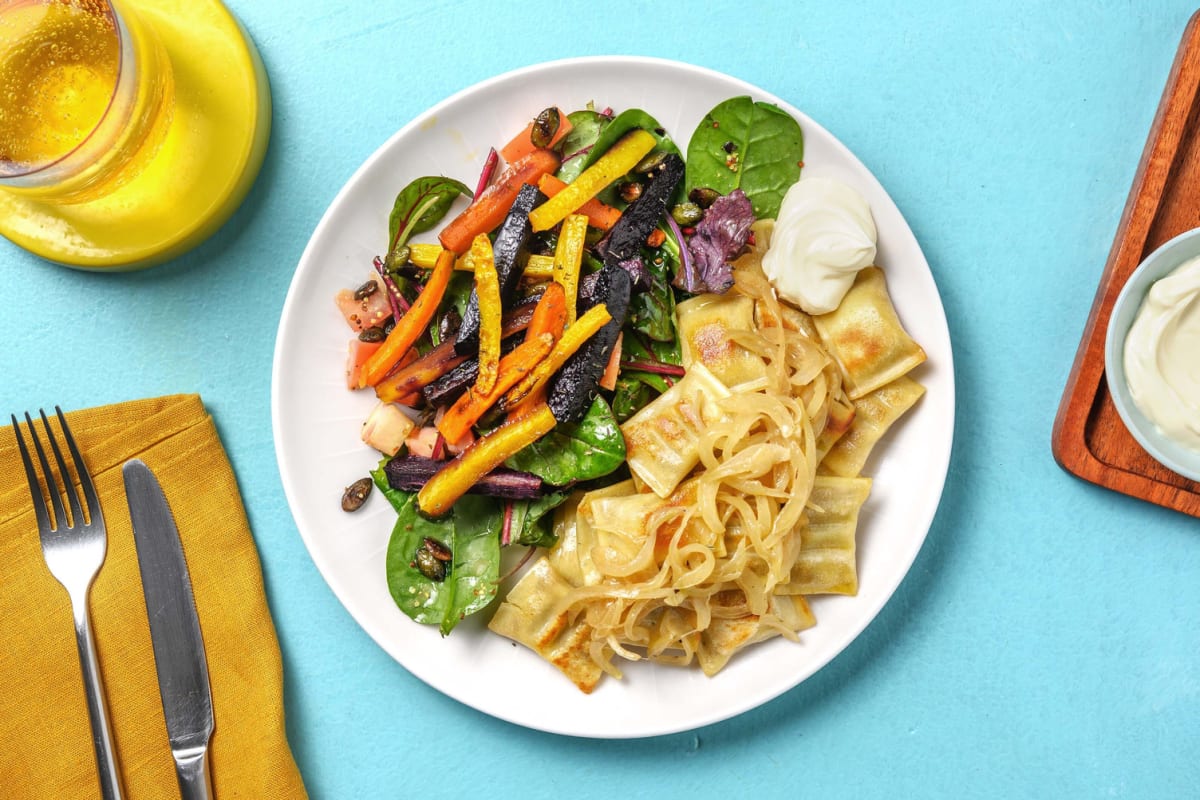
pixel 823 236
pixel 1162 355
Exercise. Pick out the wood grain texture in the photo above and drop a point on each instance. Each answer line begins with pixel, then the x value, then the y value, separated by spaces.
pixel 1089 439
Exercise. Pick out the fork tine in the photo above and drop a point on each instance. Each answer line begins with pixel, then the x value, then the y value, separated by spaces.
pixel 60 513
pixel 67 481
pixel 85 477
pixel 35 485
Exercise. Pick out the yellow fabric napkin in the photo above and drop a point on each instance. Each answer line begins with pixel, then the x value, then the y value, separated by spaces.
pixel 45 736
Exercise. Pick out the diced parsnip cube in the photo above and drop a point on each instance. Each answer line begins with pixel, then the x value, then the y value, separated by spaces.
pixel 386 428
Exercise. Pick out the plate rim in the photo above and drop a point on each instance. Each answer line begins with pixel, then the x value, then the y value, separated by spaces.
pixel 928 511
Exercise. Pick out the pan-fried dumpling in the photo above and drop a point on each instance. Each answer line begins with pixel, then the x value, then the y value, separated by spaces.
pixel 662 440
pixel 571 555
pixel 839 420
pixel 865 336
pixel 533 614
pixel 705 322
pixel 827 561
pixel 725 636
pixel 873 415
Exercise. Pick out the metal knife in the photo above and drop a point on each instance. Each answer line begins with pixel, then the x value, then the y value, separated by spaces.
pixel 174 630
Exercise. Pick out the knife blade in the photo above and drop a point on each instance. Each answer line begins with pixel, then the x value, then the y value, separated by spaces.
pixel 174 629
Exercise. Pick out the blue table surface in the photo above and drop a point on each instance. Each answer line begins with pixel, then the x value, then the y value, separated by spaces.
pixel 1045 642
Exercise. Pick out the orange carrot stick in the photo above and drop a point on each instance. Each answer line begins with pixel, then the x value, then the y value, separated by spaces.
pixel 572 339
pixel 484 214
pixel 410 326
pixel 466 411
pixel 550 317
pixel 522 143
pixel 410 379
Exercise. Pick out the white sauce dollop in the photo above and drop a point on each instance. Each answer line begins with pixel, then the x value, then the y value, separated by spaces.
pixel 823 236
pixel 1162 355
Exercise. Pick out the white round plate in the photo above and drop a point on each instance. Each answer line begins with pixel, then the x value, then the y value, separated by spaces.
pixel 316 420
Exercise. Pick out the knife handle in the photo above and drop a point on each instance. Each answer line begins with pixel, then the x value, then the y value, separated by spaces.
pixel 191 766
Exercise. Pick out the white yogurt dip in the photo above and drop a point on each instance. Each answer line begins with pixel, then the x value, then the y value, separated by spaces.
pixel 1162 355
pixel 823 236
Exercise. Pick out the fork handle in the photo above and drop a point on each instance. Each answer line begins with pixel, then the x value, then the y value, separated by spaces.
pixel 102 738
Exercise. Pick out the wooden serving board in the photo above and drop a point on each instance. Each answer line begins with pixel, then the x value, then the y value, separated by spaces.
pixel 1089 438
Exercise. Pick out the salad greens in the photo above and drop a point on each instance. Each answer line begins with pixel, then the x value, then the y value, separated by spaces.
pixel 741 159
pixel 577 451
pixel 754 146
pixel 471 534
pixel 419 207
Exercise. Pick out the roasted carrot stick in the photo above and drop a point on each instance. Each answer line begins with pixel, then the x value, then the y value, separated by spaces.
pixel 484 214
pixel 438 495
pixel 600 214
pixel 616 161
pixel 409 380
pixel 410 326
pixel 473 403
pixel 568 257
pixel 572 339
pixel 550 317
pixel 522 143
pixel 487 289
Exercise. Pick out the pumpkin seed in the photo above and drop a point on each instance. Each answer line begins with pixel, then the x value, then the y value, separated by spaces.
pixel 356 494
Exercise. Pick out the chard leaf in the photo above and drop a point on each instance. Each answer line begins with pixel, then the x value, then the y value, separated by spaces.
pixel 419 207
pixel 754 146
pixel 531 522
pixel 471 532
pixel 587 125
pixel 577 451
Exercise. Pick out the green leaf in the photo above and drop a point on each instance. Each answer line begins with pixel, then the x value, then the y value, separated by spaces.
pixel 472 534
pixel 531 522
pixel 754 146
pixel 632 394
pixel 578 451
pixel 419 207
pixel 587 125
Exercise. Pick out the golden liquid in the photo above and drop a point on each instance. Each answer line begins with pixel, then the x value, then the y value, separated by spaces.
pixel 58 70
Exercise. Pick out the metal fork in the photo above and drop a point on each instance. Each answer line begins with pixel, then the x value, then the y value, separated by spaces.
pixel 74 550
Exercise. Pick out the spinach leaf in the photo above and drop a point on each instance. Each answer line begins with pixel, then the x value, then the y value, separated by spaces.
pixel 754 146
pixel 532 522
pixel 587 125
pixel 472 534
pixel 419 207
pixel 577 451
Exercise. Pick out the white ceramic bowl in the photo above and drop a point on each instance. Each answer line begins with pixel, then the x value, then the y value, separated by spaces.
pixel 1158 264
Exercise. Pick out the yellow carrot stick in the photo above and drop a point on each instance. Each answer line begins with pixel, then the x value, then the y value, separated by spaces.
pixel 619 159
pixel 487 289
pixel 425 255
pixel 568 256
pixel 438 495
